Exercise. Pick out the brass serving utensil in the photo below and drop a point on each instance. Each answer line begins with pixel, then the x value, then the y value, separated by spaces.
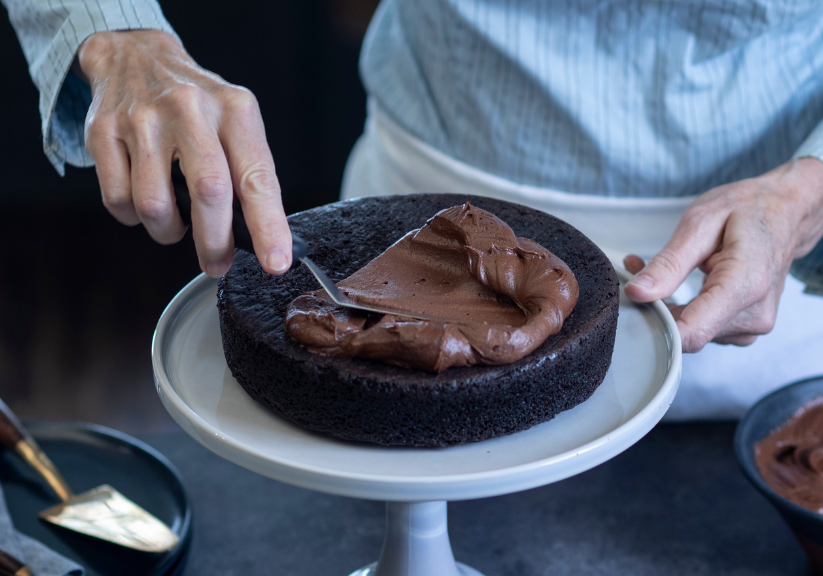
pixel 101 512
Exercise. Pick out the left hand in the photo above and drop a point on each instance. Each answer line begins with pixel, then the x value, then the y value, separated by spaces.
pixel 744 237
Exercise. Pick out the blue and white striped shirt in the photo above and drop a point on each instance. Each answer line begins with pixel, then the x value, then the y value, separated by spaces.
pixel 625 98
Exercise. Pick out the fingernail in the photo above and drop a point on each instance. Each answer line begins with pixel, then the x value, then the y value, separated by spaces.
pixel 642 281
pixel 277 260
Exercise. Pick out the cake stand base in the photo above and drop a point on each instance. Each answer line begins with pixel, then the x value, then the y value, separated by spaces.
pixel 416 543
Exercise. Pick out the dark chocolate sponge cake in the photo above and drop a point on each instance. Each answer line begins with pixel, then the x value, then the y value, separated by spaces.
pixel 363 400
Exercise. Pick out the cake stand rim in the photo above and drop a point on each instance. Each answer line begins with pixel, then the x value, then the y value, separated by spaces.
pixel 384 487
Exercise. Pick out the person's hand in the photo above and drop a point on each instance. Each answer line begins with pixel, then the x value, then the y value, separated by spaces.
pixel 152 104
pixel 744 236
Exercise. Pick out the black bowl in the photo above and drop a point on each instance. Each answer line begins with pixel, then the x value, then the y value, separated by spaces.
pixel 771 412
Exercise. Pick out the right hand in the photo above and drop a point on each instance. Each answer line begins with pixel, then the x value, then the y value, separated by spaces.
pixel 152 104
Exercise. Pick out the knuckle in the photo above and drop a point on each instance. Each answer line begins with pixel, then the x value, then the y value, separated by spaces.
pixel 764 324
pixel 259 181
pixel 695 341
pixel 241 101
pixel 100 125
pixel 152 209
pixel 187 97
pixel 668 261
pixel 760 286
pixel 212 188
pixel 116 199
pixel 141 115
pixel 694 337
pixel 752 289
pixel 98 129
pixel 123 211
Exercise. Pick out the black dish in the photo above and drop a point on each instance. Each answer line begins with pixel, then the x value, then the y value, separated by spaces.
pixel 88 456
pixel 769 413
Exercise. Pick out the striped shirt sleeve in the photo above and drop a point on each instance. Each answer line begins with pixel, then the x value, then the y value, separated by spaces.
pixel 809 269
pixel 50 32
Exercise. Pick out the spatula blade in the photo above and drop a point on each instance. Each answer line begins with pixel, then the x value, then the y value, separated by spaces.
pixel 341 299
pixel 106 514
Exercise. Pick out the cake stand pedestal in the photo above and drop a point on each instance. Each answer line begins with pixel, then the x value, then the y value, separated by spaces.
pixel 416 543
pixel 198 390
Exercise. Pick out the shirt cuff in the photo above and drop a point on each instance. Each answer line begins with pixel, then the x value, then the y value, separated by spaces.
pixel 812 145
pixel 64 98
pixel 809 269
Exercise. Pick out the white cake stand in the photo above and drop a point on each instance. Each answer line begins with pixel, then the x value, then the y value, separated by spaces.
pixel 197 388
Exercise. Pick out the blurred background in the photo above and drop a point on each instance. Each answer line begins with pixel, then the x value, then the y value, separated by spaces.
pixel 80 294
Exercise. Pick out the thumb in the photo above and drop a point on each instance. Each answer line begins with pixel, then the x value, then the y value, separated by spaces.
pixel 692 242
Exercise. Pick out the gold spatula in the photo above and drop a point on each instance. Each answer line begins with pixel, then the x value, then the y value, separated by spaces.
pixel 101 512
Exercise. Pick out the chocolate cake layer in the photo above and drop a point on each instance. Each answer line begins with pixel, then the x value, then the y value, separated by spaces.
pixel 363 400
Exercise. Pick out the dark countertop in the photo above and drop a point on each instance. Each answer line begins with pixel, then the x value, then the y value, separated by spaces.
pixel 675 503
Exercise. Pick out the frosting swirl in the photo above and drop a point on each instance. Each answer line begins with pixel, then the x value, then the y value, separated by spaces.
pixel 791 457
pixel 503 297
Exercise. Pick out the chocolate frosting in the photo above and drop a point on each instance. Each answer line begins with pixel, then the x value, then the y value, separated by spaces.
pixel 503 296
pixel 791 458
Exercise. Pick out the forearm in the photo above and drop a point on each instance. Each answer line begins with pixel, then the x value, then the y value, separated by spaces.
pixel 50 33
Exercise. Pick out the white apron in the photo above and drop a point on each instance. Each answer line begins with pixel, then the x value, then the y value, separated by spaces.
pixel 720 382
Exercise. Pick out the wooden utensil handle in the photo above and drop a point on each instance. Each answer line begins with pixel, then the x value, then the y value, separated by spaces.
pixel 15 438
pixel 11 430
pixel 11 566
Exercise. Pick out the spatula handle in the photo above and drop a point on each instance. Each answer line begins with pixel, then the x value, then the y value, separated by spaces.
pixel 11 566
pixel 11 430
pixel 242 236
pixel 14 437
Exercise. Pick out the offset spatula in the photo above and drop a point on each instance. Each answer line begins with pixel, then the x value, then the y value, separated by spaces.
pixel 242 239
pixel 101 512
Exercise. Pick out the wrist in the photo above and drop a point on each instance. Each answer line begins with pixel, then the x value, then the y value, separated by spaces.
pixel 811 169
pixel 97 52
pixel 807 172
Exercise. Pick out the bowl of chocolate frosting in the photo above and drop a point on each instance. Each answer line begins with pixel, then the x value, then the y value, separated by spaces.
pixel 779 444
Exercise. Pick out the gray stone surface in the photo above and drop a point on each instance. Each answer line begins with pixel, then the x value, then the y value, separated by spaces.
pixel 674 504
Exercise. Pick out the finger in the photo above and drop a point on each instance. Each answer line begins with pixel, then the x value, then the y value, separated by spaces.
pixel 151 182
pixel 114 174
pixel 696 237
pixel 633 263
pixel 739 340
pixel 675 309
pixel 203 162
pixel 111 158
pixel 755 319
pixel 256 183
pixel 721 299
pixel 709 263
pixel 734 336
